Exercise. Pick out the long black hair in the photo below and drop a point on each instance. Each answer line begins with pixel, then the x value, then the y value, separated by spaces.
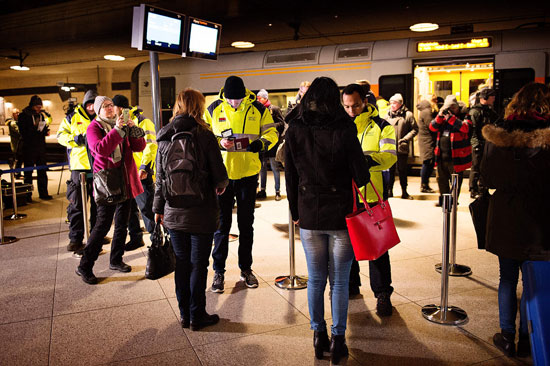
pixel 322 99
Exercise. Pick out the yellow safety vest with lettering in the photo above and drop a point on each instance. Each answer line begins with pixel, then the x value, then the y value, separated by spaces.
pixel 250 120
pixel 72 125
pixel 145 160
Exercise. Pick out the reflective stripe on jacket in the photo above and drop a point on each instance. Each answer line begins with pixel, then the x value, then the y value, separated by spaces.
pixel 145 160
pixel 250 120
pixel 73 125
pixel 377 138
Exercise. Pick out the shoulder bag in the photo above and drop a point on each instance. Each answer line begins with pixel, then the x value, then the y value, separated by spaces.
pixel 110 184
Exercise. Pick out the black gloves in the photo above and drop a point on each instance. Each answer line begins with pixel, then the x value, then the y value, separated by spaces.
pixel 255 146
pixel 80 140
pixel 371 161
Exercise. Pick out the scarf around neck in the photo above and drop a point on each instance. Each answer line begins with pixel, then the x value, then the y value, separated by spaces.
pixel 108 124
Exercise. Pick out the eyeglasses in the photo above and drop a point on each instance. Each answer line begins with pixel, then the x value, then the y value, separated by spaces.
pixel 110 105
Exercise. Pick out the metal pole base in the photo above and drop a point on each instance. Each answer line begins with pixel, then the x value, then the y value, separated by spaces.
pixel 453 316
pixel 8 240
pixel 291 283
pixel 456 270
pixel 15 217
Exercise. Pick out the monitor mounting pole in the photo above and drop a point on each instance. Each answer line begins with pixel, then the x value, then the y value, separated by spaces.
pixel 155 89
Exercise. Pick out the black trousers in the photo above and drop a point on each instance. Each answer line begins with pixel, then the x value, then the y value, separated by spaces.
pixel 74 210
pixel 36 158
pixel 444 170
pixel 477 154
pixel 244 190
pixel 402 170
pixel 105 214
pixel 143 203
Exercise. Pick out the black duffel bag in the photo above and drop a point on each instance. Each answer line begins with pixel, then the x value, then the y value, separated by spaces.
pixel 161 259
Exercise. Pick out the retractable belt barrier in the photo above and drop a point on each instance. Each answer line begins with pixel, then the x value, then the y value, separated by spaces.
pixel 456 270
pixel 291 282
pixel 16 216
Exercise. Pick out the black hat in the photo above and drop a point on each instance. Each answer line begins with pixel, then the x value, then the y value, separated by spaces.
pixel 486 93
pixel 121 101
pixel 35 100
pixel 234 88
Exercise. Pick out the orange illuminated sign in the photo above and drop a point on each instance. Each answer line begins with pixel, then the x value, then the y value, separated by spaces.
pixel 453 45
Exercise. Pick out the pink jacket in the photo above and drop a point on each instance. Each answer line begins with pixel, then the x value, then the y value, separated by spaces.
pixel 102 145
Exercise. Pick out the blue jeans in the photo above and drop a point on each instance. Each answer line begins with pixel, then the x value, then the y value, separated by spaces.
pixel 507 298
pixel 426 171
pixel 192 253
pixel 328 252
pixel 276 173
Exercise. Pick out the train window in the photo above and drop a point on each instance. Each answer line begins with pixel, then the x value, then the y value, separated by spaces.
pixel 509 81
pixel 291 58
pixel 442 88
pixel 474 84
pixel 388 85
pixel 353 53
pixel 167 92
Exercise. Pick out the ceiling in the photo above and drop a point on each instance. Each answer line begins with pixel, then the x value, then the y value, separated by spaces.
pixel 70 36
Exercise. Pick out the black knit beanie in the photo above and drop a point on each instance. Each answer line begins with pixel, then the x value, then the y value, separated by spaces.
pixel 121 101
pixel 234 88
pixel 35 100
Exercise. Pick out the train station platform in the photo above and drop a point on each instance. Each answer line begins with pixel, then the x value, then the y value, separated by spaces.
pixel 48 316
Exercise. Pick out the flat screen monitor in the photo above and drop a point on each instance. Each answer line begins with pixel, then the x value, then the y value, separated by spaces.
pixel 203 39
pixel 163 30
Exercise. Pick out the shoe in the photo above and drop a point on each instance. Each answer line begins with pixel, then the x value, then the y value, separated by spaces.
pixel 184 322
pixel 217 284
pixel 87 276
pixel 278 196
pixel 78 253
pixel 321 343
pixel 383 305
pixel 205 321
pixel 74 246
pixel 106 240
pixel 133 245
pixel 338 348
pixel 46 197
pixel 524 347
pixel 406 196
pixel 121 267
pixel 505 342
pixel 249 279
pixel 261 195
pixel 353 291
pixel 426 189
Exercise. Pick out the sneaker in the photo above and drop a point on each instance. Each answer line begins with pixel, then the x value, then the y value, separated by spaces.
pixel 134 244
pixel 278 196
pixel 261 195
pixel 426 189
pixel 217 284
pixel 204 321
pixel 383 305
pixel 87 276
pixel 74 246
pixel 121 267
pixel 505 342
pixel 249 279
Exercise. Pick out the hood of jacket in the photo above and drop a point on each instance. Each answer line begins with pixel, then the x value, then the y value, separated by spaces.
pixel 180 123
pixel 532 133
pixel 249 97
pixel 424 104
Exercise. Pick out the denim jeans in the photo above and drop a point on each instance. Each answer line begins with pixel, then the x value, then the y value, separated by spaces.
pixel 507 298
pixel 244 190
pixel 328 253
pixel 276 173
pixel 192 253
pixel 144 202
pixel 426 171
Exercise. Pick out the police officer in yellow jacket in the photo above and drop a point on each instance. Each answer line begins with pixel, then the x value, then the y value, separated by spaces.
pixel 244 127
pixel 72 135
pixel 377 138
pixel 145 161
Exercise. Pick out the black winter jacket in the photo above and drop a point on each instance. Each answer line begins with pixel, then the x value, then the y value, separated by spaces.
pixel 480 115
pixel 197 219
pixel 33 139
pixel 322 155
pixel 516 162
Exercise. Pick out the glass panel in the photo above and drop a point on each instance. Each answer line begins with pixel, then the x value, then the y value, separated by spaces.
pixel 167 92
pixel 442 88
pixel 474 85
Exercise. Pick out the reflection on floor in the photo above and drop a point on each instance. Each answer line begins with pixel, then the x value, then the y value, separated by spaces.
pixel 48 316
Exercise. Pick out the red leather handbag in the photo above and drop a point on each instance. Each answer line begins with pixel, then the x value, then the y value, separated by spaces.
pixel 371 229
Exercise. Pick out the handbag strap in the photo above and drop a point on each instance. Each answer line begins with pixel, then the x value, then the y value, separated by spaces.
pixel 358 191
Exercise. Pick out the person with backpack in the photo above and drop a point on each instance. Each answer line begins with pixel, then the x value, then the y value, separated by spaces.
pixel 190 173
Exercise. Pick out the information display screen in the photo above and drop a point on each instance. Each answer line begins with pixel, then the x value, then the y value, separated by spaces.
pixel 203 39
pixel 163 31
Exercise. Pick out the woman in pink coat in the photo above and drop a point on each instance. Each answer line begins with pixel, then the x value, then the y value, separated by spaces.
pixel 111 143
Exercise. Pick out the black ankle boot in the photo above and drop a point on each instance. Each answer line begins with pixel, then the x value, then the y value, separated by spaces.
pixel 338 348
pixel 505 342
pixel 320 343
pixel 524 347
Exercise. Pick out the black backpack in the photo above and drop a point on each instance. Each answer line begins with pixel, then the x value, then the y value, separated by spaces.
pixel 184 179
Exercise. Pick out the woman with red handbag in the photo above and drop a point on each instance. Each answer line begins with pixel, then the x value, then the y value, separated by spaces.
pixel 322 156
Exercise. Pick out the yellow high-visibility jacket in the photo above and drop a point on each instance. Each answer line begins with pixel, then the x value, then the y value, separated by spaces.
pixel 145 160
pixel 250 120
pixel 377 138
pixel 73 125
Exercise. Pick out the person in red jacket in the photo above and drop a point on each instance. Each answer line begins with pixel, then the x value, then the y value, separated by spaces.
pixel 453 152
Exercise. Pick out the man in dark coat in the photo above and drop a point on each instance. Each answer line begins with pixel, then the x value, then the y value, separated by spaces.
pixel 33 125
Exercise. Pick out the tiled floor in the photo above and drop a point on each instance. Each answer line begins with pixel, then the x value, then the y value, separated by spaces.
pixel 48 316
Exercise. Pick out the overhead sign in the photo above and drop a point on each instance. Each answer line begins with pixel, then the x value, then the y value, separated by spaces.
pixel 454 44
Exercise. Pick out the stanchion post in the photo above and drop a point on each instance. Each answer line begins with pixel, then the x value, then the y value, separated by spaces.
pixel 16 215
pixel 291 282
pixel 445 314
pixel 457 270
pixel 84 193
pixel 4 239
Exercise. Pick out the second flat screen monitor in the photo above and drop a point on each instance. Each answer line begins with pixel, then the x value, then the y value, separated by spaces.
pixel 203 39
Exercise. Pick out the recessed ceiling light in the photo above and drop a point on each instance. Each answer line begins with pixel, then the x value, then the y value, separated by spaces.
pixel 114 58
pixel 242 44
pixel 424 27
pixel 19 68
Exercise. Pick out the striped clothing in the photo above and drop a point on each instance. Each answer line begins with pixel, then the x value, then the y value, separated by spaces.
pixel 459 132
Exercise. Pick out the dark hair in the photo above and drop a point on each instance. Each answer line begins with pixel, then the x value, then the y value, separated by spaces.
pixel 355 88
pixel 322 97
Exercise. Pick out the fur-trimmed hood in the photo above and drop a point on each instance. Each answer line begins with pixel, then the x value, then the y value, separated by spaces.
pixel 518 134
